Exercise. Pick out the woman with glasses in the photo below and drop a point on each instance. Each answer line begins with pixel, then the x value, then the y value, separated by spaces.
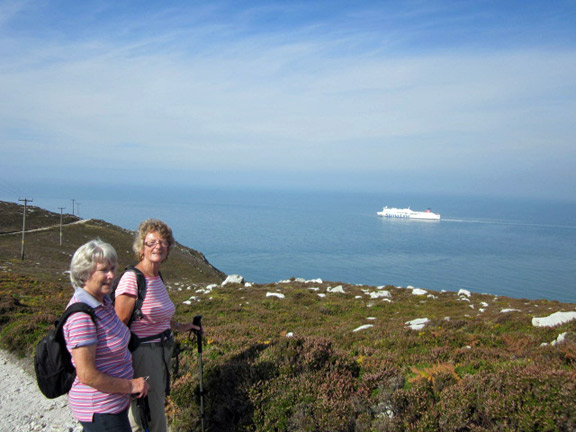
pixel 154 325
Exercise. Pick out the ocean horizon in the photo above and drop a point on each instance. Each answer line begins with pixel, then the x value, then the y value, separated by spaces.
pixel 521 248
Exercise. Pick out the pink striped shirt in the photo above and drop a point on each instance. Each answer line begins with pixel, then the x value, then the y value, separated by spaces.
pixel 111 338
pixel 157 308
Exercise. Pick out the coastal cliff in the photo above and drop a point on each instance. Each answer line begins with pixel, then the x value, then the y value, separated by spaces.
pixel 317 355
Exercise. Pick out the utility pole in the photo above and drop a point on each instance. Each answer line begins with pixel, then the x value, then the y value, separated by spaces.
pixel 73 206
pixel 61 208
pixel 26 201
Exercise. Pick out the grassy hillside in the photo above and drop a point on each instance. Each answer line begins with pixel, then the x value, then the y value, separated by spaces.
pixel 46 259
pixel 325 356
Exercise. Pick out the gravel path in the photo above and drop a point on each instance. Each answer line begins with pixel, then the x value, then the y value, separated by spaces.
pixel 23 407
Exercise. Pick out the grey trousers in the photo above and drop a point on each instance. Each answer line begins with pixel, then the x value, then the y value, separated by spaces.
pixel 152 360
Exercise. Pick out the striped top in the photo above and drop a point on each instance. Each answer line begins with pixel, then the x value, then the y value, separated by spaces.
pixel 111 338
pixel 157 308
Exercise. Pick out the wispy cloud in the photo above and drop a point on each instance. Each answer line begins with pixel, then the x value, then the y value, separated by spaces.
pixel 208 93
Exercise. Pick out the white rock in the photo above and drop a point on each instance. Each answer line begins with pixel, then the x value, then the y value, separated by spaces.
pixel 419 291
pixel 464 292
pixel 417 324
pixel 363 327
pixel 321 295
pixel 237 279
pixel 206 290
pixel 509 310
pixel 379 294
pixel 561 338
pixel 274 294
pixel 338 289
pixel 555 319
pixel 290 334
pixel 190 300
pixel 318 281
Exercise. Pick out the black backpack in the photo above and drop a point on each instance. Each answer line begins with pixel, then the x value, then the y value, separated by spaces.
pixel 141 281
pixel 52 362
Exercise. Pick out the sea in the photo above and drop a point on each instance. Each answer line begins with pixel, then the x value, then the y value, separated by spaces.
pixel 521 248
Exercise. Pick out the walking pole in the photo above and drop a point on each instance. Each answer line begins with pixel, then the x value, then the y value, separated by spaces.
pixel 198 322
pixel 144 410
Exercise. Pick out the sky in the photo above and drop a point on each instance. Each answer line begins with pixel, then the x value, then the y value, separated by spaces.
pixel 436 96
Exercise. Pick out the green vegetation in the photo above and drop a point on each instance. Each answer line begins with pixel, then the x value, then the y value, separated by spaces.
pixel 296 363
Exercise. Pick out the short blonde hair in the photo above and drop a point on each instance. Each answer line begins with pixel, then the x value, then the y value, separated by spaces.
pixel 87 257
pixel 147 227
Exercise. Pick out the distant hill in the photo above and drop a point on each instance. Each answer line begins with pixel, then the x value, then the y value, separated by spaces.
pixel 11 217
pixel 46 259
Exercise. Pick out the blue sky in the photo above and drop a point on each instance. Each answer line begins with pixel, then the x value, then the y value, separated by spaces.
pixel 468 97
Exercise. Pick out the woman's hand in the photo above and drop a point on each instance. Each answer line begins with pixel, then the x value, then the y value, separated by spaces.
pixel 139 387
pixel 184 327
pixel 197 329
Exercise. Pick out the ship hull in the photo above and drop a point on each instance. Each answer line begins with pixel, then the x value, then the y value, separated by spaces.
pixel 408 214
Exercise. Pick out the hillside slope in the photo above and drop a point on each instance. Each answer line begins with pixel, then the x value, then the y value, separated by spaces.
pixel 46 259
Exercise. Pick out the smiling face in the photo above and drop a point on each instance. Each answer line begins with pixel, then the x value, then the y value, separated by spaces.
pixel 100 281
pixel 155 248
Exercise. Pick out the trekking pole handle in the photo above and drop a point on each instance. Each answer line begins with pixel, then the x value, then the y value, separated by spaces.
pixel 197 321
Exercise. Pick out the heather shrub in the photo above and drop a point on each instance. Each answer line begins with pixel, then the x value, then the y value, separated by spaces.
pixel 315 392
pixel 512 399
pixel 21 336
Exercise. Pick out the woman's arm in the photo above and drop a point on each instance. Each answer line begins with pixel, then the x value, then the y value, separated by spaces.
pixel 124 306
pixel 84 358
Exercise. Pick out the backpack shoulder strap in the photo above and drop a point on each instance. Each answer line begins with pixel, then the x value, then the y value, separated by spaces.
pixel 141 281
pixel 72 309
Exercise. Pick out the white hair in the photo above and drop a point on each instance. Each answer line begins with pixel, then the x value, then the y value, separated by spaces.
pixel 86 257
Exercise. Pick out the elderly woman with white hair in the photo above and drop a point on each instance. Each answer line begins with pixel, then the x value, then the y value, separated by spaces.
pixel 100 395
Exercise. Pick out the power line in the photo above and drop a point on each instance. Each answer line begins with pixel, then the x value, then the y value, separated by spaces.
pixel 10 189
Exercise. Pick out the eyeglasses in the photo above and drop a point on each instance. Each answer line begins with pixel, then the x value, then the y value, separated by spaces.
pixel 154 243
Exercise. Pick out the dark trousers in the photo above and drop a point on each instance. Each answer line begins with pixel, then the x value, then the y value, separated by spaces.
pixel 108 423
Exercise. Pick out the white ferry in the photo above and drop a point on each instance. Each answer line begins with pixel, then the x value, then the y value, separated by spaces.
pixel 407 213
